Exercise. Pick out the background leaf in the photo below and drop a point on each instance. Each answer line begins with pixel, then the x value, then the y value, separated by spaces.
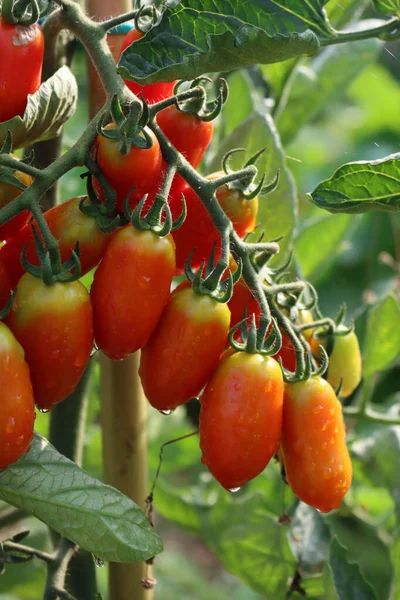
pixel 346 577
pixel 387 7
pixel 382 343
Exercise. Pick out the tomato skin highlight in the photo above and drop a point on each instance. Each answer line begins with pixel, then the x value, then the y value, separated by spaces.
pixel 130 289
pixel 7 194
pixel 68 224
pixel 317 462
pixel 184 349
pixel 22 49
pixel 152 92
pixel 17 414
pixel 241 418
pixel 140 168
pixel 54 325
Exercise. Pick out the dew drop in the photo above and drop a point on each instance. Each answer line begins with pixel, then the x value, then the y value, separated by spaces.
pixel 167 411
pixel 332 411
pixel 44 410
pixel 234 490
pixel 237 387
pixel 10 425
pixel 99 562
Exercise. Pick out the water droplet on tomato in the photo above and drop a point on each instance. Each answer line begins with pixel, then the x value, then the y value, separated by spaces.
pixel 44 410
pixel 10 425
pixel 99 562
pixel 167 411
pixel 234 490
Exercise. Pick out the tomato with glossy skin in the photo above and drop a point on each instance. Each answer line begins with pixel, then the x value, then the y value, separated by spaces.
pixel 241 418
pixel 54 324
pixel 317 462
pixel 242 212
pixel 140 168
pixel 68 224
pixel 184 349
pixel 17 414
pixel 5 287
pixel 130 289
pixel 8 193
pixel 152 92
pixel 345 363
pixel 22 48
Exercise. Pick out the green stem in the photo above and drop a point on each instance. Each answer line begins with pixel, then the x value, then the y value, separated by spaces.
pixel 352 36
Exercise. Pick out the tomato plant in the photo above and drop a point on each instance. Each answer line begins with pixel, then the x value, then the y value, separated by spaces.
pixel 7 193
pixel 241 418
pixel 54 324
pixel 5 286
pixel 22 49
pixel 184 349
pixel 130 289
pixel 17 413
pixel 317 462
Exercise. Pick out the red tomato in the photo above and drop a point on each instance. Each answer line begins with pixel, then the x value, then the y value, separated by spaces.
pixel 130 289
pixel 68 224
pixel 7 194
pixel 241 418
pixel 5 287
pixel 140 168
pixel 54 324
pixel 242 212
pixel 17 413
pixel 184 349
pixel 153 92
pixel 317 462
pixel 22 48
pixel 287 353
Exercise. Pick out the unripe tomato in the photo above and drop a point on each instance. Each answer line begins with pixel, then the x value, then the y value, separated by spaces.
pixel 54 324
pixel 17 414
pixel 241 418
pixel 140 168
pixel 184 349
pixel 306 317
pixel 130 289
pixel 152 92
pixel 242 212
pixel 22 48
pixel 69 225
pixel 345 364
pixel 8 193
pixel 317 462
pixel 5 287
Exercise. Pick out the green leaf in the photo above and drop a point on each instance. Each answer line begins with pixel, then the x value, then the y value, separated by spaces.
pixel 387 7
pixel 318 243
pixel 382 341
pixel 95 516
pixel 221 35
pixel 46 112
pixel 361 186
pixel 347 580
pixel 309 539
pixel 317 82
pixel 277 211
pixel 240 103
pixel 341 12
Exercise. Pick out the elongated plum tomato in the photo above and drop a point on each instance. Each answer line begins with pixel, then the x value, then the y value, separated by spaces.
pixel 130 289
pixel 153 92
pixel 17 414
pixel 22 48
pixel 241 418
pixel 345 363
pixel 184 349
pixel 5 287
pixel 317 462
pixel 54 324
pixel 68 224
pixel 140 168
pixel 8 193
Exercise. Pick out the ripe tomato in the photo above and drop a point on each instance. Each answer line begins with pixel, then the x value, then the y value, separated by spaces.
pixel 54 324
pixel 7 193
pixel 153 92
pixel 5 287
pixel 184 349
pixel 317 462
pixel 130 289
pixel 241 418
pixel 140 168
pixel 345 364
pixel 17 413
pixel 68 224
pixel 22 50
pixel 242 212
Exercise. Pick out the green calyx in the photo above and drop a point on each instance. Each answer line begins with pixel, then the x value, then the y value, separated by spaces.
pixel 247 186
pixel 50 270
pixel 130 130
pixel 265 339
pixel 158 218
pixel 199 105
pixel 107 219
pixel 6 309
pixel 208 279
pixel 23 12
